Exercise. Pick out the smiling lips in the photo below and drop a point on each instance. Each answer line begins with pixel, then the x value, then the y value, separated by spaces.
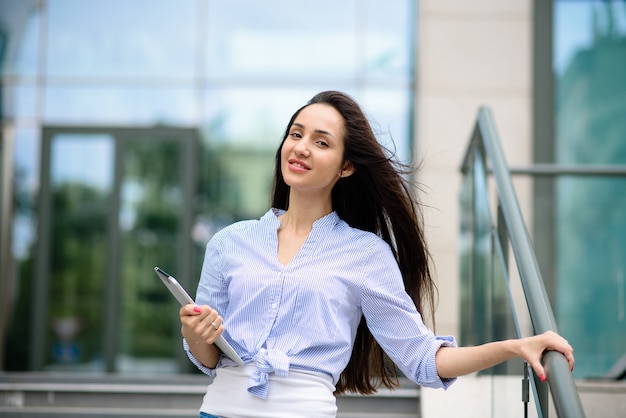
pixel 298 164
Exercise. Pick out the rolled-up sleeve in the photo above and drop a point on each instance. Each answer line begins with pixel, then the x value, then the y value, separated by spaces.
pixel 396 324
pixel 429 377
pixel 204 369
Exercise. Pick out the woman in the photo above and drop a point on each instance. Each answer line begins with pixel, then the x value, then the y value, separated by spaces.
pixel 329 282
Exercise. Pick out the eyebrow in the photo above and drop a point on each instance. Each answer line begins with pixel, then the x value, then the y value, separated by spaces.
pixel 319 131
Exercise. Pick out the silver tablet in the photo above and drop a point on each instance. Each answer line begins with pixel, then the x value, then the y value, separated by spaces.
pixel 183 298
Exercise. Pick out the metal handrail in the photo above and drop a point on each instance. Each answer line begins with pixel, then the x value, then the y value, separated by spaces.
pixel 485 139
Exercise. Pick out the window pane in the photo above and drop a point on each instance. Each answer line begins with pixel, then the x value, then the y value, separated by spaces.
pixel 19 37
pixel 589 65
pixel 26 184
pixel 389 39
pixel 81 178
pixel 26 175
pixel 282 38
pixel 121 38
pixel 150 227
pixel 133 106
pixel 389 110
pixel 19 102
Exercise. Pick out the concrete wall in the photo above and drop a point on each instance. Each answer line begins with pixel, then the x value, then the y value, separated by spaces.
pixel 470 54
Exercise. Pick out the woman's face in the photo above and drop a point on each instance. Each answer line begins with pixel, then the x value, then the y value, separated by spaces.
pixel 312 153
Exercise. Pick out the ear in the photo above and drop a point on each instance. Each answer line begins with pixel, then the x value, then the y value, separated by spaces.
pixel 347 170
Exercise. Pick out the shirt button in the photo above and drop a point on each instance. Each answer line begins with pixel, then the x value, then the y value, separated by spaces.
pixel 273 306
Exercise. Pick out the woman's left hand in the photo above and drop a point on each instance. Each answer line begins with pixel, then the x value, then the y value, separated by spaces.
pixel 532 348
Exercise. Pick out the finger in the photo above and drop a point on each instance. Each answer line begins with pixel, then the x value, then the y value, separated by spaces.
pixel 188 310
pixel 216 324
pixel 214 320
pixel 202 312
pixel 570 360
pixel 210 334
pixel 568 351
pixel 217 330
pixel 539 370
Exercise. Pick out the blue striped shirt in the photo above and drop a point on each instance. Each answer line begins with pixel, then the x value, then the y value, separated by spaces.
pixel 305 315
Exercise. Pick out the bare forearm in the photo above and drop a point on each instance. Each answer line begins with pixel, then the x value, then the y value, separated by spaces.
pixel 453 362
pixel 458 361
pixel 207 354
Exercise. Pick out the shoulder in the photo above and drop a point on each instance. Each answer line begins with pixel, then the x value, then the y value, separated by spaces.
pixel 246 229
pixel 371 259
pixel 235 231
pixel 364 241
pixel 237 227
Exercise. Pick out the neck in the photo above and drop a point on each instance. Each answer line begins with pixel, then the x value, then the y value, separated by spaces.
pixel 300 215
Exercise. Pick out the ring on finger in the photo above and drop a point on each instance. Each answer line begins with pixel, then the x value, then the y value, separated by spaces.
pixel 214 325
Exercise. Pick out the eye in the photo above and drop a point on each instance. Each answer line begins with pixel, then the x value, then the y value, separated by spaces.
pixel 296 135
pixel 322 143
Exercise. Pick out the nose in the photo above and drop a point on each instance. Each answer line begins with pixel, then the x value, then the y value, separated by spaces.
pixel 301 148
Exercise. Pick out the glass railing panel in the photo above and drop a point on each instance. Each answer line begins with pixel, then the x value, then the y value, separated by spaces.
pixel 482 256
pixel 486 301
pixel 510 226
pixel 466 246
pixel 488 311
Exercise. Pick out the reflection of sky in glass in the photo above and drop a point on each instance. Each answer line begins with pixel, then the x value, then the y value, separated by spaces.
pixel 574 25
pixel 387 23
pixel 132 106
pixel 277 50
pixel 132 194
pixel 20 102
pixel 121 38
pixel 83 158
pixel 388 111
pixel 326 38
pixel 282 37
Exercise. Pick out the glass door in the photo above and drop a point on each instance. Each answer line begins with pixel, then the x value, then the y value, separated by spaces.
pixel 114 203
pixel 155 206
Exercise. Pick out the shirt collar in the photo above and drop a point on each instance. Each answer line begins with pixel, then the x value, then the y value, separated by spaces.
pixel 323 224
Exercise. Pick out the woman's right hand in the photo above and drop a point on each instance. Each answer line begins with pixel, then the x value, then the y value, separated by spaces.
pixel 200 323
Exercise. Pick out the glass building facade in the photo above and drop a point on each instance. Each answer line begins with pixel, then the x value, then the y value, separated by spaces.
pixel 589 66
pixel 133 130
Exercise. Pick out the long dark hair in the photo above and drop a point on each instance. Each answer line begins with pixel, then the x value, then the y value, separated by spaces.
pixel 378 198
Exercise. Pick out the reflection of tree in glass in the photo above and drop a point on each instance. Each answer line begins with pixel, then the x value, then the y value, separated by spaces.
pixel 153 201
pixel 591 103
pixel 19 332
pixel 78 264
